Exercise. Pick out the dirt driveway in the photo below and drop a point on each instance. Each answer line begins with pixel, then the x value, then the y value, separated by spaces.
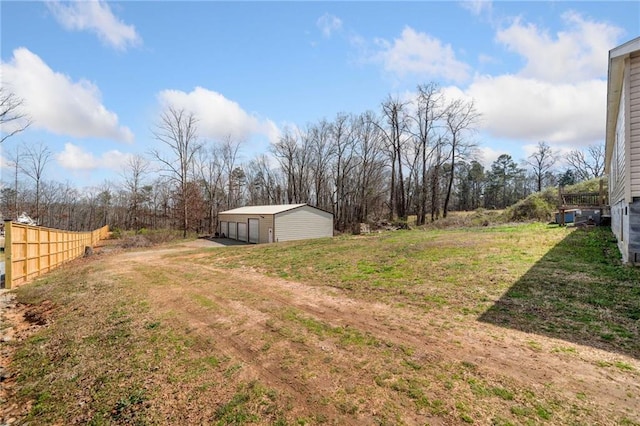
pixel 248 311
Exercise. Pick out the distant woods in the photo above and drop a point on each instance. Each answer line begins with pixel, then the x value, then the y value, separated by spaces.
pixel 414 156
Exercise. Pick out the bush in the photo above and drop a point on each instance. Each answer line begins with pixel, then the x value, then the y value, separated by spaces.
pixel 115 234
pixel 135 241
pixel 539 206
pixel 147 237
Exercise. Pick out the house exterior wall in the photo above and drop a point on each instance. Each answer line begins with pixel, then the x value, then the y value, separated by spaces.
pixel 617 173
pixel 303 223
pixel 633 105
pixel 620 227
pixel 622 150
pixel 634 232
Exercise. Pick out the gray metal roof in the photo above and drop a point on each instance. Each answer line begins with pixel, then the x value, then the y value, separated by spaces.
pixel 275 209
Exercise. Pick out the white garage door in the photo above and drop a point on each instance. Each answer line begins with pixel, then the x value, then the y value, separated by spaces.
pixel 232 230
pixel 242 231
pixel 224 229
pixel 254 231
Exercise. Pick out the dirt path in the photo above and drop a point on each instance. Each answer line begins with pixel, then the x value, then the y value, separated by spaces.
pixel 249 306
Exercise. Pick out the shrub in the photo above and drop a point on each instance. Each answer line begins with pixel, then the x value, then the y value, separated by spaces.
pixel 115 234
pixel 539 206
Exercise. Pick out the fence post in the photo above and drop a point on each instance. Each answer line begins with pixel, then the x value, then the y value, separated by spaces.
pixel 38 251
pixel 7 254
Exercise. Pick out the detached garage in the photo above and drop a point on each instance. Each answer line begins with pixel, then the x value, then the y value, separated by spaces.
pixel 268 224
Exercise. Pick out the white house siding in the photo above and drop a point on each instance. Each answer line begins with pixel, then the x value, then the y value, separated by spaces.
pixel 620 226
pixel 303 223
pixel 634 231
pixel 617 167
pixel 623 147
pixel 617 179
pixel 634 123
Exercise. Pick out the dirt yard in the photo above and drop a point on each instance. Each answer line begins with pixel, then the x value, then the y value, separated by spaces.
pixel 307 354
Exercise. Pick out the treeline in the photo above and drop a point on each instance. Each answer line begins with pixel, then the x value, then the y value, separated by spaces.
pixel 415 156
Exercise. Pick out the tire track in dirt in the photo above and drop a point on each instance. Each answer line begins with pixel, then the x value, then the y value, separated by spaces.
pixel 231 343
pixel 511 357
pixel 507 355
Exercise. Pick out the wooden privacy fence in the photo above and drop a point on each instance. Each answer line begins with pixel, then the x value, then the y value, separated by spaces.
pixel 30 251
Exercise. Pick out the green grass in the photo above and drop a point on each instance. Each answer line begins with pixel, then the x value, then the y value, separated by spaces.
pixel 344 335
pixel 115 355
pixel 561 282
pixel 577 291
pixel 424 268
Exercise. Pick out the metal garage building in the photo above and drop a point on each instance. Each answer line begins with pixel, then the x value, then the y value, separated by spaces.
pixel 267 224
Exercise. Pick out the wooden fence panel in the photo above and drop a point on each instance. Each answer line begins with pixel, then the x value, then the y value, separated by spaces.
pixel 31 251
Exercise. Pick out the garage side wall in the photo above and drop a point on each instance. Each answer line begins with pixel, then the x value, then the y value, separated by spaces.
pixel 303 223
pixel 266 222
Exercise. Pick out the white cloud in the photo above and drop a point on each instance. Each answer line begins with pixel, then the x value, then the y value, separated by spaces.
pixel 219 117
pixel 477 7
pixel 328 24
pixel 422 55
pixel 5 163
pixel 76 158
pixel 531 110
pixel 558 150
pixel 95 16
pixel 559 95
pixel 486 59
pixel 487 155
pixel 577 53
pixel 56 103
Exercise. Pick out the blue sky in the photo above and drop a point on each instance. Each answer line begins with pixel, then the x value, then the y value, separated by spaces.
pixel 94 76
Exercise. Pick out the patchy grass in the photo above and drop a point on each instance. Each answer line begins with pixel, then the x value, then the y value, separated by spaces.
pixel 216 337
pixel 424 268
pixel 579 292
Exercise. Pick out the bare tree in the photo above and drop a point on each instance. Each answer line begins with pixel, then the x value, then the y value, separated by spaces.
pixel 322 155
pixel 285 151
pixel 11 115
pixel 435 174
pixel 134 173
pixel 264 186
pixel 541 161
pixel 14 158
pixel 394 113
pixel 428 112
pixel 229 153
pixel 34 160
pixel 293 152
pixel 210 171
pixel 587 165
pixel 370 171
pixel 105 198
pixel 460 118
pixel 343 143
pixel 177 130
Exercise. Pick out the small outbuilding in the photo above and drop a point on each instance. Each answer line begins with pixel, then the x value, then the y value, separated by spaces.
pixel 268 224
